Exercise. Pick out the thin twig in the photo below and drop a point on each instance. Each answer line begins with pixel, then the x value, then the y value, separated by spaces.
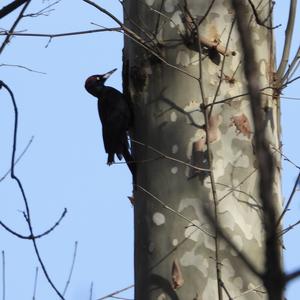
pixel 43 12
pixel 163 155
pixel 71 269
pixel 292 276
pixel 121 298
pixel 56 35
pixel 258 20
pixel 35 282
pixel 3 275
pixel 235 97
pixel 292 67
pixel 136 38
pixel 222 69
pixel 286 208
pixel 289 228
pixel 91 291
pixel 227 239
pixel 34 237
pixel 22 67
pixel 225 290
pixel 116 292
pixel 285 157
pixel 174 211
pixel 254 289
pixel 19 157
pixel 289 82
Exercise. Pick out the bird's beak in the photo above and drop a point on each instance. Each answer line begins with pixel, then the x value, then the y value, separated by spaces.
pixel 106 75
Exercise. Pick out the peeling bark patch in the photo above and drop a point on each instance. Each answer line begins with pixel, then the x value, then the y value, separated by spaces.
pixel 173 116
pixel 193 203
pixel 177 278
pixel 158 219
pixel 183 58
pixel 176 21
pixel 174 149
pixel 209 243
pixel 242 125
pixel 210 290
pixel 214 132
pixel 196 260
pixel 199 135
pixel 174 170
pixel 193 109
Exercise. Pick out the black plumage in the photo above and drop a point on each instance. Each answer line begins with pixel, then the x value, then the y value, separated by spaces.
pixel 116 117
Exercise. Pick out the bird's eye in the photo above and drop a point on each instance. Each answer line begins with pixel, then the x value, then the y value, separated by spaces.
pixel 98 78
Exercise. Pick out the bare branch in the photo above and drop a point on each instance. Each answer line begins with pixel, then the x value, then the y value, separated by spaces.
pixel 288 40
pixel 273 276
pixel 56 35
pixel 163 155
pixel 257 18
pixel 91 291
pixel 222 68
pixel 43 12
pixel 285 157
pixel 292 67
pixel 289 228
pixel 136 38
pixel 51 228
pixel 3 275
pixel 286 208
pixel 225 289
pixel 35 282
pixel 18 159
pixel 11 7
pixel 22 67
pixel 116 292
pixel 34 237
pixel 20 16
pixel 71 269
pixel 21 188
pixel 227 239
pixel 235 97
pixel 254 289
pixel 292 276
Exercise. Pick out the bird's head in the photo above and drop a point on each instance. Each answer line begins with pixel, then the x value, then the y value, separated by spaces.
pixel 95 83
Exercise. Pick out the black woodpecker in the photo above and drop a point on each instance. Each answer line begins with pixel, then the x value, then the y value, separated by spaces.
pixel 116 117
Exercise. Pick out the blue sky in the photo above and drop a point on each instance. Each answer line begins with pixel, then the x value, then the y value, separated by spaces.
pixel 65 165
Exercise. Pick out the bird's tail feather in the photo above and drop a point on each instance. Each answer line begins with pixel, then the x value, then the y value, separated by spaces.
pixel 130 162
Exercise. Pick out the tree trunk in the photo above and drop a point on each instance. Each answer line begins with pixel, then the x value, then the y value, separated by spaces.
pixel 196 164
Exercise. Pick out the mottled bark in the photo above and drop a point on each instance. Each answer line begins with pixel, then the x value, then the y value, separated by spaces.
pixel 180 111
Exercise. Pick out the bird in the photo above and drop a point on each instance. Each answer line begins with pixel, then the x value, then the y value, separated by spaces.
pixel 116 117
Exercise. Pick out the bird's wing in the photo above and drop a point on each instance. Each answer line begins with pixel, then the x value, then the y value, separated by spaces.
pixel 115 117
